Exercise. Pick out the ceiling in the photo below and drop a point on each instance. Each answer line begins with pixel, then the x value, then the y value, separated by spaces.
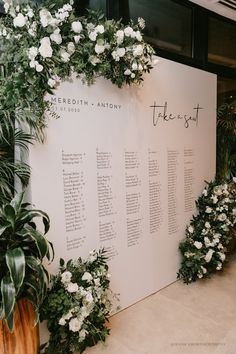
pixel 225 8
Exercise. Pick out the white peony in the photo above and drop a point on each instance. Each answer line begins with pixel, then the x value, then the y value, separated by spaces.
pixel 71 48
pixel 93 36
pixel 66 276
pixel 198 245
pixel 99 48
pixel 19 20
pixel 75 325
pixel 208 256
pixel 99 29
pixel 72 287
pixel 87 276
pixel 76 26
pixel 45 48
pixel 138 50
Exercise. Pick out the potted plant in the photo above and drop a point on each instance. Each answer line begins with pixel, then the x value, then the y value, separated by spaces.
pixel 23 276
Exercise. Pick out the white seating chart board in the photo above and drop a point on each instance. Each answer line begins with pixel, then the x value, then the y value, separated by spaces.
pixel 121 169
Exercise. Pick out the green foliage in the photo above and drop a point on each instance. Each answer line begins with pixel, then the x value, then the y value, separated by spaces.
pixel 78 305
pixel 207 237
pixel 22 250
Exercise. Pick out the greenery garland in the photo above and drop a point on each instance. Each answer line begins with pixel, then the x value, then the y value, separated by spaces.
pixel 208 235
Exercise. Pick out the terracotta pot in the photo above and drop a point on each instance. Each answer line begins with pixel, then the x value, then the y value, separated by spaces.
pixel 25 337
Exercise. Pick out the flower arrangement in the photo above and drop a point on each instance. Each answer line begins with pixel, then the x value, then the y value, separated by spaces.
pixel 208 235
pixel 78 305
pixel 43 44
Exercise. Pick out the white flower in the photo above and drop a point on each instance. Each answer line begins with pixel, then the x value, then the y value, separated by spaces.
pixel 30 13
pixel 65 276
pixel 45 17
pixel 138 50
pixel 207 242
pixel 89 298
pixel 190 229
pixel 65 56
pixel 19 20
pixel 198 244
pixel 62 322
pixel 208 256
pixel 39 68
pixel 128 31
pixel 219 266
pixel 76 26
pixel 68 315
pixel 208 210
pixel 141 22
pixel 99 48
pixel 120 52
pixel 119 36
pixel 218 190
pixel 234 179
pixel 127 72
pixel 32 53
pixel 45 48
pixel 222 256
pixel 134 66
pixel 93 36
pixel 140 67
pixel 115 55
pixel 207 225
pixel 72 287
pixel 71 48
pixel 204 192
pixel 6 7
pixel 99 29
pixel 203 270
pixel 75 325
pixel 32 64
pixel 56 37
pixel 77 39
pixel 97 281
pixel 222 217
pixel 82 334
pixel 87 276
pixel 132 75
pixel 138 36
pixel 52 84
pixel 214 199
pixel 199 275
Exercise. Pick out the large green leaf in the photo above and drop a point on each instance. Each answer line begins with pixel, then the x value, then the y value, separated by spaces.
pixel 16 201
pixel 10 214
pixel 8 300
pixel 40 241
pixel 16 264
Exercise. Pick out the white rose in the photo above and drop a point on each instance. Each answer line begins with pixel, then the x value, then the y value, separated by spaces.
pixel 208 210
pixel 65 57
pixel 65 276
pixel 82 334
pixel 72 287
pixel 120 36
pixel 222 217
pixel 77 39
pixel 52 84
pixel 207 225
pixel 134 66
pixel 30 13
pixel 128 31
pixel 99 48
pixel 68 315
pixel 204 192
pixel 62 322
pixel 71 48
pixel 222 256
pixel 120 52
pixel 207 242
pixel 203 270
pixel 208 256
pixel 138 36
pixel 127 72
pixel 45 17
pixel 76 26
pixel 87 276
pixel 39 68
pixel 89 298
pixel 190 229
pixel 218 190
pixel 115 55
pixel 138 50
pixel 45 48
pixel 99 29
pixel 74 325
pixel 32 64
pixel 93 36
pixel 198 244
pixel 56 37
pixel 219 266
pixel 19 20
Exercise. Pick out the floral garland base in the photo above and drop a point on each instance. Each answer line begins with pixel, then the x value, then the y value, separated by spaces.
pixel 209 233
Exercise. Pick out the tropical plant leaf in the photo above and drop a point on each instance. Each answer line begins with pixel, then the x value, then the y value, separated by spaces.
pixel 8 293
pixel 15 260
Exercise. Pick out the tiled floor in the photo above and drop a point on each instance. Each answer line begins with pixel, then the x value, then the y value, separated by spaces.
pixel 199 318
